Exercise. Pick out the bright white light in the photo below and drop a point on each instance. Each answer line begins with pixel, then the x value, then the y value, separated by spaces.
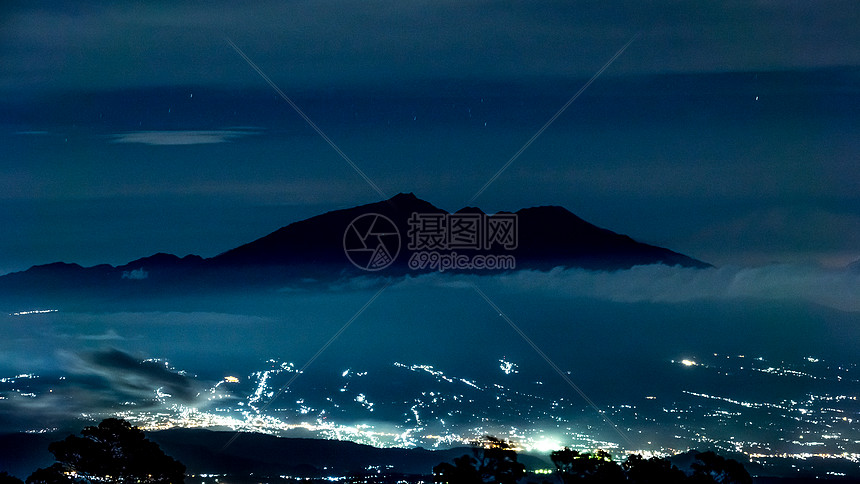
pixel 508 367
pixel 546 445
pixel 688 362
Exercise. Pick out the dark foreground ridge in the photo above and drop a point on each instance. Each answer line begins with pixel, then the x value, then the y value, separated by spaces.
pixel 204 452
pixel 261 458
pixel 313 250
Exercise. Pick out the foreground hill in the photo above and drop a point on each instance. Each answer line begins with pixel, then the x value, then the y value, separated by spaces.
pixel 258 456
pixel 204 452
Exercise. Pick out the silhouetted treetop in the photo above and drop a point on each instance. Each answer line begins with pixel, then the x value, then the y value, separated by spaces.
pixel 573 466
pixel 113 451
pixel 5 478
pixel 710 467
pixel 493 462
pixel 652 471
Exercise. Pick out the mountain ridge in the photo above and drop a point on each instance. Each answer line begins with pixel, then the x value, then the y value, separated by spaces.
pixel 313 249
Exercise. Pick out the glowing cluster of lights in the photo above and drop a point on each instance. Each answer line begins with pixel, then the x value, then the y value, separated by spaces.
pixel 508 367
pixel 34 311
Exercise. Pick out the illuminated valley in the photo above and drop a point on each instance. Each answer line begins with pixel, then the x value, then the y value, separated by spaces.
pixel 814 418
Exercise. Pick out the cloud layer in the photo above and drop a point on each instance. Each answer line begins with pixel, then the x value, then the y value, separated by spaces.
pixel 131 377
pixel 353 41
pixel 837 289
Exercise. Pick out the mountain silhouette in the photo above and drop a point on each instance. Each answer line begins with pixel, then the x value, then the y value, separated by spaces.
pixel 377 236
pixel 319 240
pixel 552 236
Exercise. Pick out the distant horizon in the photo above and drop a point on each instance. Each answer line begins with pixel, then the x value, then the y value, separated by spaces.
pixel 402 193
pixel 834 262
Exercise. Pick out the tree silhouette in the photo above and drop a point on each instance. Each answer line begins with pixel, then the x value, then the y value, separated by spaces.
pixel 5 478
pixel 710 467
pixel 114 451
pixel 652 471
pixel 598 467
pixel 464 471
pixel 55 474
pixel 493 462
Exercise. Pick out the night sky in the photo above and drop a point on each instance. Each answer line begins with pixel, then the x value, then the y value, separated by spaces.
pixel 726 130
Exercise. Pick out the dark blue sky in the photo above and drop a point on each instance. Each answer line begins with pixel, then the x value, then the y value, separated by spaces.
pixel 727 130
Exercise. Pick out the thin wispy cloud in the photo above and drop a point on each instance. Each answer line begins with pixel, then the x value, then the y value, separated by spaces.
pixel 173 138
pixel 356 41
pixel 836 289
pixel 123 376
pixel 109 335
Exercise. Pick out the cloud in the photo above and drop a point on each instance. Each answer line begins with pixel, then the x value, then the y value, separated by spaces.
pixel 137 274
pixel 658 283
pixel 783 229
pixel 165 318
pixel 109 335
pixel 178 138
pixel 181 43
pixel 94 383
pixel 132 378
